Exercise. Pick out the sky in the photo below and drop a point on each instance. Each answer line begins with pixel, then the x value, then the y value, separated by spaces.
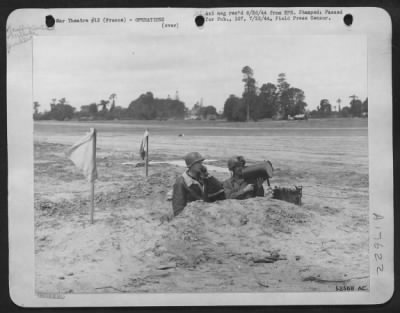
pixel 88 69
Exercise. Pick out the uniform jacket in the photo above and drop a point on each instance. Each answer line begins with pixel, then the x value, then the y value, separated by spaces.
pixel 186 189
pixel 234 189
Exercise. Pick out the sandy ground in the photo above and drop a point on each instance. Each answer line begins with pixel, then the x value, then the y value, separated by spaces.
pixel 253 245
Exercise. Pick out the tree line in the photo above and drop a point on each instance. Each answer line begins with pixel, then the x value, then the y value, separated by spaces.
pixel 145 107
pixel 278 101
pixel 356 108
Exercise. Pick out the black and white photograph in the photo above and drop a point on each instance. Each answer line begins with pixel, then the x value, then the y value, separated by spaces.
pixel 198 162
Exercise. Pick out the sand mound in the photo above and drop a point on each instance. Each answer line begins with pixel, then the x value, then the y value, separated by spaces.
pixel 246 229
pixel 230 245
pixel 250 244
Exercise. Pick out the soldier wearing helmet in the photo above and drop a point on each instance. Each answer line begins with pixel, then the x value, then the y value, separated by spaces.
pixel 236 187
pixel 195 184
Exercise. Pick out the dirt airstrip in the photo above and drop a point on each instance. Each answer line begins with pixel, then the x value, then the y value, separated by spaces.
pixel 256 245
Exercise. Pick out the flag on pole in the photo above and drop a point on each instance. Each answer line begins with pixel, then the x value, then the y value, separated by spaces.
pixel 143 145
pixel 83 154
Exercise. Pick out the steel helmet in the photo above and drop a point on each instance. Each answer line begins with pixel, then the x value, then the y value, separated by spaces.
pixel 192 158
pixel 235 161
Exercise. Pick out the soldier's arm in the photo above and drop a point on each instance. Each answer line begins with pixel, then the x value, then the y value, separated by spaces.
pixel 227 189
pixel 259 192
pixel 231 194
pixel 179 200
pixel 204 194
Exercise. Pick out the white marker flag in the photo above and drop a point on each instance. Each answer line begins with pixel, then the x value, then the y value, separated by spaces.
pixel 83 154
pixel 143 145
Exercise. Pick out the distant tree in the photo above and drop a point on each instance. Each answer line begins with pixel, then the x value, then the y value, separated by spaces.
pixel 239 113
pixel 103 104
pixel 112 98
pixel 228 106
pixel 283 97
pixel 234 109
pixel 36 106
pixel 267 100
pixel 301 107
pixel 36 114
pixel 93 109
pixel 53 103
pixel 62 101
pixel 282 83
pixel 325 108
pixel 146 107
pixel 276 101
pixel 296 104
pixel 355 106
pixel 117 112
pixel 250 89
pixel 208 111
pixel 174 109
pixel 84 111
pixel 110 114
pixel 314 113
pixel 88 111
pixel 339 101
pixel 345 112
pixel 61 110
pixel 268 89
pixel 364 108
pixel 143 107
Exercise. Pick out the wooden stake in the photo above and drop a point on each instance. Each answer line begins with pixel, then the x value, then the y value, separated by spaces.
pixel 147 154
pixel 92 203
pixel 92 182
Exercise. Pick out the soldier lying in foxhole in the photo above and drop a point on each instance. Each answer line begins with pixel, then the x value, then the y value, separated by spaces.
pixel 196 183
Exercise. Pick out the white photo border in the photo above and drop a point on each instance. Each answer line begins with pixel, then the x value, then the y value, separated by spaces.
pixel 374 23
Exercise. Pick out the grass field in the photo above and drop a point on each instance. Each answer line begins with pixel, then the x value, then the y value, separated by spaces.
pixel 325 243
